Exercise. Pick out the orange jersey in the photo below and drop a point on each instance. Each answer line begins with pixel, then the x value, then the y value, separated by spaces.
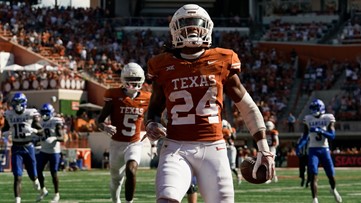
pixel 194 92
pixel 128 114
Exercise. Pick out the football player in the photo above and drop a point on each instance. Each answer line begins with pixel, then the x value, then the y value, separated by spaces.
pixel 302 154
pixel 319 128
pixel 126 106
pixel 50 149
pixel 21 123
pixel 189 80
pixel 273 142
pixel 228 135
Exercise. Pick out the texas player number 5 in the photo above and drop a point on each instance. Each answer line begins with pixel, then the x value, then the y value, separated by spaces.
pixel 129 123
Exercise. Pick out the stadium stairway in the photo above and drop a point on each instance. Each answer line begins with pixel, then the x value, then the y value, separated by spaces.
pixel 339 82
pixel 293 100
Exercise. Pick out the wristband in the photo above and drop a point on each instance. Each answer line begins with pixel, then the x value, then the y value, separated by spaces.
pixel 148 121
pixel 263 145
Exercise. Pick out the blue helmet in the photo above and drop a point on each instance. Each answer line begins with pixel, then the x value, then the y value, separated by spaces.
pixel 317 107
pixel 19 102
pixel 47 111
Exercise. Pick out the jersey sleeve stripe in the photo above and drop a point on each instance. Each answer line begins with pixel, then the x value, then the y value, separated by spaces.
pixel 236 66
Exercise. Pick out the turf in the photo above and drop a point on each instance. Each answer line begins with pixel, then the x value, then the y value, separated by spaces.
pixel 92 187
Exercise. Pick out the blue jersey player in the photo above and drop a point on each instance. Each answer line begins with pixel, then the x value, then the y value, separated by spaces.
pixel 319 128
pixel 21 123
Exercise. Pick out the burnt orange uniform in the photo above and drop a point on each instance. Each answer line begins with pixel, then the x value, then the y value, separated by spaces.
pixel 194 92
pixel 128 114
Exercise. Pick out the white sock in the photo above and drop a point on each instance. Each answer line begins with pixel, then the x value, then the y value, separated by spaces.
pixel 17 199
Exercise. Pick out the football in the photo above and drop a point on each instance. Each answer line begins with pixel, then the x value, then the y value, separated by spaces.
pixel 247 168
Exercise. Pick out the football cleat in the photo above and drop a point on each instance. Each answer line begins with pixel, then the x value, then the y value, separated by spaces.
pixel 302 182
pixel 56 198
pixel 337 196
pixel 17 199
pixel 275 179
pixel 44 192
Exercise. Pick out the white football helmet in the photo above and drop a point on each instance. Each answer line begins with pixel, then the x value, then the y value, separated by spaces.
pixel 226 124
pixel 191 26
pixel 270 125
pixel 132 77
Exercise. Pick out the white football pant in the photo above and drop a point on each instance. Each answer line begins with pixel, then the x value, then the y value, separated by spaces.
pixel 208 161
pixel 119 154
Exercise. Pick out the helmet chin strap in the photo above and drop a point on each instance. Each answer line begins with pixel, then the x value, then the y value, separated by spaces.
pixel 192 56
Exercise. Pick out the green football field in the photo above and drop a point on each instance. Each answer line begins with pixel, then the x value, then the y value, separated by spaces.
pixel 92 186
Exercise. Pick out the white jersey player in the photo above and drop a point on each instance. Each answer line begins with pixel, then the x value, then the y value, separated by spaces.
pixel 324 120
pixel 319 127
pixel 22 123
pixel 50 149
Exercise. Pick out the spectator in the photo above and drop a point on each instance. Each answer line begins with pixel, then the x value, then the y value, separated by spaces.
pixel 291 120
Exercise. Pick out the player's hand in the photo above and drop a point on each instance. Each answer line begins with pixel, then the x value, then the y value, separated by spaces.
pixel 110 129
pixel 267 159
pixel 155 131
pixel 34 130
pixel 315 130
pixel 50 139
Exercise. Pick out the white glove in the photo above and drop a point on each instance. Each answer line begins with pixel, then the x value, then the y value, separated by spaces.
pixel 110 129
pixel 28 131
pixel 155 131
pixel 35 131
pixel 267 159
pixel 50 139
